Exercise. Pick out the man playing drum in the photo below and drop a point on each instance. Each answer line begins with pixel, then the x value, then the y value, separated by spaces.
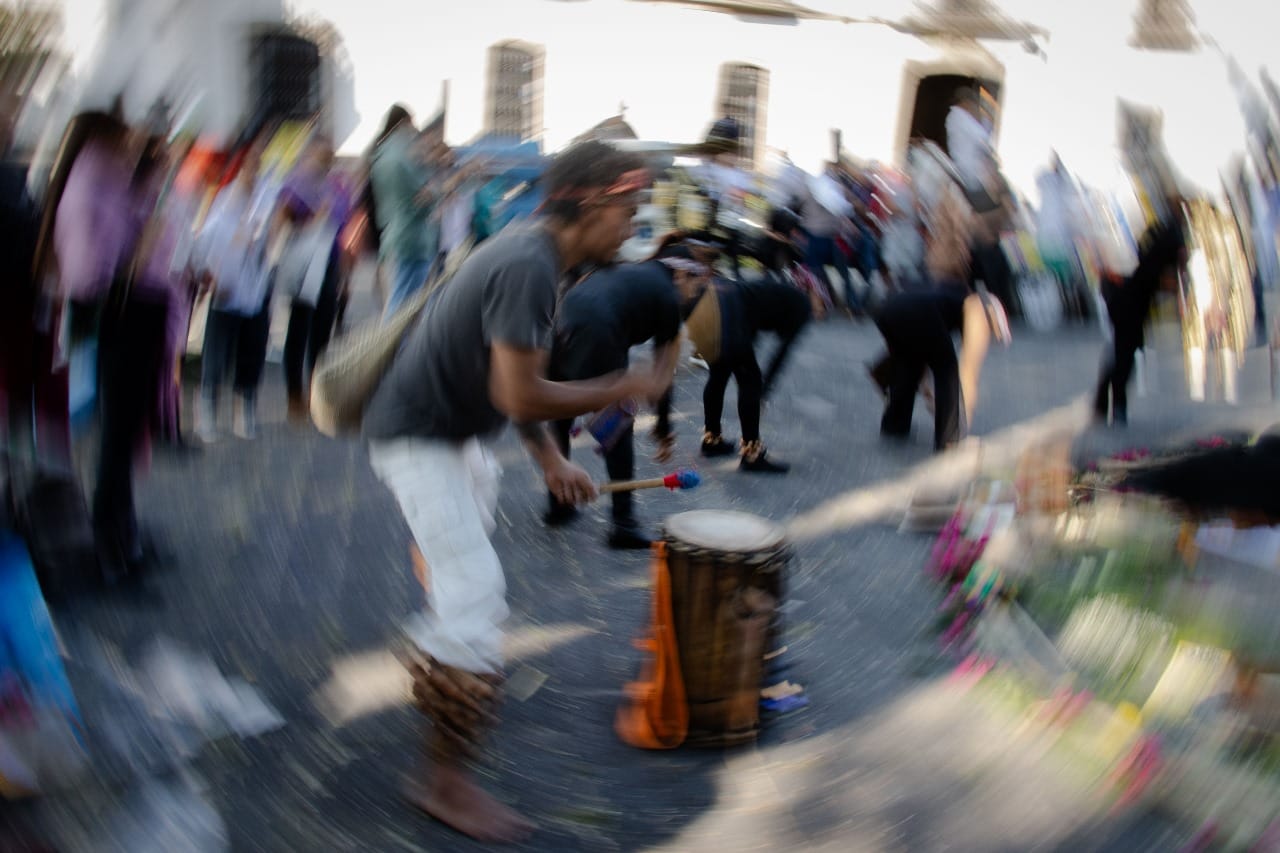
pixel 598 321
pixel 476 359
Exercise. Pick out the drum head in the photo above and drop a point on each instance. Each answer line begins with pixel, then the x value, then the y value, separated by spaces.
pixel 724 530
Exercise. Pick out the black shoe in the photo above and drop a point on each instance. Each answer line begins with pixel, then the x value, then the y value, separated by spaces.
pixel 896 438
pixel 560 514
pixel 628 537
pixel 762 464
pixel 715 445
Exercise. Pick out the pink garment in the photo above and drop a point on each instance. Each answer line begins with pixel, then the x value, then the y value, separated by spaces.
pixel 97 223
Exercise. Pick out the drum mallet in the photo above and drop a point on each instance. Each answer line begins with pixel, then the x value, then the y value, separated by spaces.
pixel 685 478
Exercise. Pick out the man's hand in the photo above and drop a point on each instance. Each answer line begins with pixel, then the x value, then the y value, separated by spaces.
pixel 569 482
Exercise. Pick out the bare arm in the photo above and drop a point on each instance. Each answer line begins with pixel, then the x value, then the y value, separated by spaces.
pixel 520 390
pixel 568 482
pixel 540 444
pixel 975 341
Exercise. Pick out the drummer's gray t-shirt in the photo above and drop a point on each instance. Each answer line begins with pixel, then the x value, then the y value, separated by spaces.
pixel 438 385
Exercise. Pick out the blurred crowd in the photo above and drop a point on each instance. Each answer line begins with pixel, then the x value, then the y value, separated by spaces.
pixel 140 244
pixel 136 232
pixel 139 239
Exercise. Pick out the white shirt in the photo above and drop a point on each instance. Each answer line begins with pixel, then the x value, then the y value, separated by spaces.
pixel 969 145
pixel 1059 220
pixel 230 246
pixel 720 180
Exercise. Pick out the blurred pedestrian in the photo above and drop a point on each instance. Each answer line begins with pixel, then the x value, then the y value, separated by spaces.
pixel 399 181
pixel 917 329
pixel 1162 251
pixel 230 261
pixel 315 205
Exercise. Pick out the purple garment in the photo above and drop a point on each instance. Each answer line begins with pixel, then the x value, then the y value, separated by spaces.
pixel 164 277
pixel 97 223
pixel 305 194
pixel 343 206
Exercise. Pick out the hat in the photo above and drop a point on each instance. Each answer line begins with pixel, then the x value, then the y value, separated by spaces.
pixel 725 135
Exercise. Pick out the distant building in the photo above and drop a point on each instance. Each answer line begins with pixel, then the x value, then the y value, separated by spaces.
pixel 513 90
pixel 744 97
pixel 1164 25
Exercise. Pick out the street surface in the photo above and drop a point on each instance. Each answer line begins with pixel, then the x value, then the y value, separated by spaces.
pixel 290 569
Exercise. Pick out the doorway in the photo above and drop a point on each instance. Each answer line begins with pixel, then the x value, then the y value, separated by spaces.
pixel 934 96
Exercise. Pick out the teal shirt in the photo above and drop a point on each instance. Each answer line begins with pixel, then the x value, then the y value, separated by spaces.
pixel 408 232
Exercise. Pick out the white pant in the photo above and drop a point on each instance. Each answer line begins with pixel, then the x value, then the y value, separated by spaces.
pixel 448 492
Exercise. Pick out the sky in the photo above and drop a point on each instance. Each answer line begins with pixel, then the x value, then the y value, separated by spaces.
pixel 662 63
pixel 599 54
pixel 604 52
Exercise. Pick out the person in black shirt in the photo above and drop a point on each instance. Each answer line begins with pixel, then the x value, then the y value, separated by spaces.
pixel 917 329
pixel 746 309
pixel 780 246
pixel 1162 249
pixel 597 323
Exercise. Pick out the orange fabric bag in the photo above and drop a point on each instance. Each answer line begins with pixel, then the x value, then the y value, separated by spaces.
pixel 655 714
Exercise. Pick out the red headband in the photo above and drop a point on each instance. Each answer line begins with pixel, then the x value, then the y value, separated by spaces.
pixel 627 182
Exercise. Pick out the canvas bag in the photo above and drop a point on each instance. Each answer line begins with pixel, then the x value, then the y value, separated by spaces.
pixel 352 367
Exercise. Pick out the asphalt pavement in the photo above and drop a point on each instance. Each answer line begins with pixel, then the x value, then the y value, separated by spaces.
pixel 289 567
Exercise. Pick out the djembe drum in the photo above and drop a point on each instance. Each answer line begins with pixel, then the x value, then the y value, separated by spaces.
pixel 726 571
pixel 705 325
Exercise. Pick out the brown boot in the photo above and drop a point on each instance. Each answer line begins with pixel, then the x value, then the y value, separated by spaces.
pixel 460 706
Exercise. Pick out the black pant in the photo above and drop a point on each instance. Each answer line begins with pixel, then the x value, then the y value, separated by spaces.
pixel 236 341
pixel 776 362
pixel 130 351
pixel 619 461
pixel 745 370
pixel 309 331
pixel 1117 367
pixel 778 307
pixel 990 265
pixel 909 357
